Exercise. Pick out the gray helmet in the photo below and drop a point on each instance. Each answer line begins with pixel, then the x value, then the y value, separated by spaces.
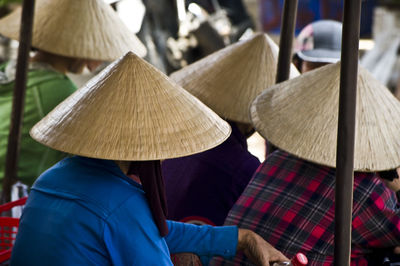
pixel 320 42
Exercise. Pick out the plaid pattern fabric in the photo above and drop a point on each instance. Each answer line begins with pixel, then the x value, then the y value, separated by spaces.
pixel 289 202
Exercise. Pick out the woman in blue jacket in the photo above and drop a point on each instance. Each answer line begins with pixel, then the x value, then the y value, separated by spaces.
pixel 107 206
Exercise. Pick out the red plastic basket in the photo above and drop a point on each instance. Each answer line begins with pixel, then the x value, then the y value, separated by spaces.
pixel 8 229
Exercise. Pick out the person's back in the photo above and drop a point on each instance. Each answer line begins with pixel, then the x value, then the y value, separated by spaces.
pixel 202 188
pixel 90 211
pixel 46 88
pixel 290 203
pixel 291 197
pixel 102 200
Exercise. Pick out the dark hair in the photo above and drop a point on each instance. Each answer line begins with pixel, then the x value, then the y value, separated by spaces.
pixel 388 175
pixel 152 181
pixel 297 61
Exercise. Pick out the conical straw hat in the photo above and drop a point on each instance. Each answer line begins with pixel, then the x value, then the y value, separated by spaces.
pixel 76 28
pixel 228 80
pixel 131 111
pixel 301 117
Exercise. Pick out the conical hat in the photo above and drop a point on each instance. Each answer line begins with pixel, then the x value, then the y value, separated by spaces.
pixel 76 28
pixel 228 80
pixel 301 117
pixel 131 111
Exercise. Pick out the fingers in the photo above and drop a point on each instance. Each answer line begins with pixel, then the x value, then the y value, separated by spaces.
pixel 257 249
pixel 269 253
pixel 278 256
pixel 274 254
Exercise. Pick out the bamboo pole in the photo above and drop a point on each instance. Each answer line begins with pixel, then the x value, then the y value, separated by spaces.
pixel 14 137
pixel 288 25
pixel 346 132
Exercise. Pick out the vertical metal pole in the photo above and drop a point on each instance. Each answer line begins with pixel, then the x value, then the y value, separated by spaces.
pixel 346 130
pixel 25 38
pixel 286 40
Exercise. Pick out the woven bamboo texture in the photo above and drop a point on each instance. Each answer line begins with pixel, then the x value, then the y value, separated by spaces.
pixel 228 80
pixel 301 116
pixel 76 28
pixel 131 111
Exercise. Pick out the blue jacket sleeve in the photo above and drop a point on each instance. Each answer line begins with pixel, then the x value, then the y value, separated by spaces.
pixel 202 240
pixel 132 238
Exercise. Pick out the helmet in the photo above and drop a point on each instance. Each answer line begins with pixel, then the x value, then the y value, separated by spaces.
pixel 320 42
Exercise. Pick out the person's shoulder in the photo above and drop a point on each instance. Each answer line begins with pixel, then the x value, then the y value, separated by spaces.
pixel 38 75
pixel 43 75
pixel 90 181
pixel 276 158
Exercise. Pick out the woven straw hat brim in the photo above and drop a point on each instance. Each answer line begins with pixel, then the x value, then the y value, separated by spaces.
pixel 131 111
pixel 301 116
pixel 228 80
pixel 87 29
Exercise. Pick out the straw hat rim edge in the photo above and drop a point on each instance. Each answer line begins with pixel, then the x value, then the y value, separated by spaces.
pixel 36 137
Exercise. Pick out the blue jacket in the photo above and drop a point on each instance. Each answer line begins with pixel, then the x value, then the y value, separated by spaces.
pixel 85 211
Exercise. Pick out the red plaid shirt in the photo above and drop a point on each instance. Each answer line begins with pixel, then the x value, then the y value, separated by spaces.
pixel 290 202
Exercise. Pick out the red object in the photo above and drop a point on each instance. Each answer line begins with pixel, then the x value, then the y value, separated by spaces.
pixel 299 260
pixel 199 220
pixel 8 229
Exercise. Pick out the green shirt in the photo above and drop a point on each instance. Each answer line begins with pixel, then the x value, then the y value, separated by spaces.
pixel 46 88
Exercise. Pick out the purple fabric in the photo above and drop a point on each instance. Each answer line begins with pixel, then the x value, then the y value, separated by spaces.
pixel 205 186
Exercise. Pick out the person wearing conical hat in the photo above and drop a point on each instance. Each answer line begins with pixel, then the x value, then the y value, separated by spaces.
pixel 203 187
pixel 89 210
pixel 290 200
pixel 67 35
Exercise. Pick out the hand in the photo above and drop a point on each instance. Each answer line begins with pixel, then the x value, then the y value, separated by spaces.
pixel 185 259
pixel 257 249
